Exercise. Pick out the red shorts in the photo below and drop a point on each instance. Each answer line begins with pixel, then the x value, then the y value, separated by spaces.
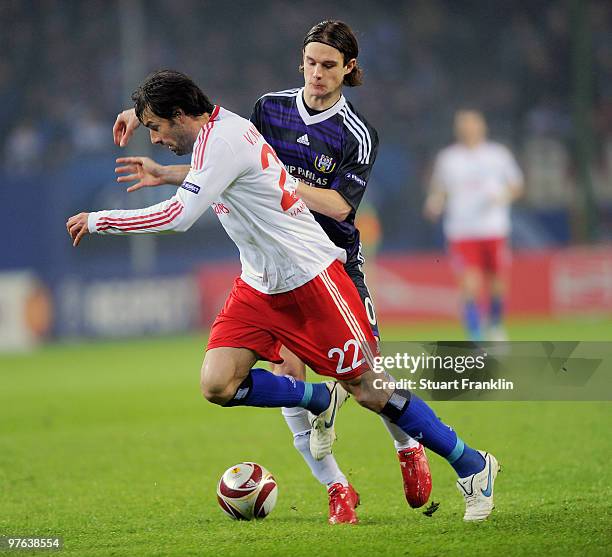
pixel 323 322
pixel 490 255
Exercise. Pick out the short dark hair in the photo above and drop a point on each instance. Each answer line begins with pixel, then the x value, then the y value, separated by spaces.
pixel 165 91
pixel 340 36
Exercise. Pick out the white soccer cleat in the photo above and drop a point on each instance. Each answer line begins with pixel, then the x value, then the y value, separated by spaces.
pixel 323 432
pixel 477 490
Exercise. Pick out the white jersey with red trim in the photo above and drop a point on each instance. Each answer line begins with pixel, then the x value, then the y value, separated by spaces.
pixel 476 181
pixel 234 171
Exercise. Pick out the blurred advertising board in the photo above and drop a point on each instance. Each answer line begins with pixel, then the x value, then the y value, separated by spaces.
pixel 26 311
pixel 126 307
pixel 574 281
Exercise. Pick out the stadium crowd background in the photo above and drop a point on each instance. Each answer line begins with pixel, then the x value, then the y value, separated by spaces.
pixel 533 68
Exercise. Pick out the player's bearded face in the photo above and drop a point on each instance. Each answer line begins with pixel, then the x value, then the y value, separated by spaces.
pixel 181 141
pixel 170 133
pixel 324 70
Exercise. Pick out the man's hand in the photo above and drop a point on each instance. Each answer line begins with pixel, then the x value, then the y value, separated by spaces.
pixel 77 227
pixel 124 127
pixel 146 171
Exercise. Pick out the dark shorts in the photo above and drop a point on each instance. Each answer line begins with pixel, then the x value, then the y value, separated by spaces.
pixel 353 270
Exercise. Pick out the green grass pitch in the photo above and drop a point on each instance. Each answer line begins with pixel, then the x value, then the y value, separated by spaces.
pixel 111 446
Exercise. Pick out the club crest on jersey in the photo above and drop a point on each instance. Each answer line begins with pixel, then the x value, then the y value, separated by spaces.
pixel 324 163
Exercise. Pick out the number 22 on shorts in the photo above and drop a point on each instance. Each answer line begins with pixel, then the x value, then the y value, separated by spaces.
pixel 342 355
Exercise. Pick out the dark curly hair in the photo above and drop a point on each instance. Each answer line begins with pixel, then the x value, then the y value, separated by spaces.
pixel 165 91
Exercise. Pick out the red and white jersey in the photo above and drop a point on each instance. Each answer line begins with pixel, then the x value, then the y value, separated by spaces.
pixel 234 171
pixel 476 181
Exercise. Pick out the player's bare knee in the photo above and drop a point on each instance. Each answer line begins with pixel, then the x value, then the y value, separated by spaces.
pixel 216 392
pixel 296 371
pixel 365 393
pixel 471 283
pixel 291 365
pixel 355 388
pixel 370 402
pixel 215 383
pixel 290 368
pixel 364 397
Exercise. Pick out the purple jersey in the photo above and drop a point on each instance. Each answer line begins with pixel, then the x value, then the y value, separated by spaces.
pixel 333 149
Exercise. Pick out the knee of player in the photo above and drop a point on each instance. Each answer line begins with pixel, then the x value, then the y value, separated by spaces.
pixel 375 404
pixel 355 390
pixel 360 396
pixel 296 370
pixel 366 395
pixel 215 392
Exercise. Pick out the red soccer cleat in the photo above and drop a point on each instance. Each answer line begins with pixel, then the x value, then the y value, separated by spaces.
pixel 342 503
pixel 416 475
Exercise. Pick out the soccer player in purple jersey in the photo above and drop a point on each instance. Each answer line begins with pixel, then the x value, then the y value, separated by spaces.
pixel 331 148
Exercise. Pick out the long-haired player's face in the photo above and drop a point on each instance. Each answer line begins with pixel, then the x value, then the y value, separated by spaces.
pixel 170 133
pixel 324 70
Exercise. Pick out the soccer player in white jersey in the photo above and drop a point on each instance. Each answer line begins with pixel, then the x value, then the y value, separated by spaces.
pixel 474 183
pixel 324 142
pixel 292 281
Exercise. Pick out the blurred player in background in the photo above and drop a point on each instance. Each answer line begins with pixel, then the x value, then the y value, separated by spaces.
pixel 330 148
pixel 293 281
pixel 474 183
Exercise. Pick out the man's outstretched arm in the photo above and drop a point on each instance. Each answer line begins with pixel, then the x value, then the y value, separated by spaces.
pixel 176 214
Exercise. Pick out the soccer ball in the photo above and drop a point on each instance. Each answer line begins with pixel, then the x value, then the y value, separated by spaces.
pixel 247 491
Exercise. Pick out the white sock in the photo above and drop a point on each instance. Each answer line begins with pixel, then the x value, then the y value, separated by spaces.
pixel 401 439
pixel 325 470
